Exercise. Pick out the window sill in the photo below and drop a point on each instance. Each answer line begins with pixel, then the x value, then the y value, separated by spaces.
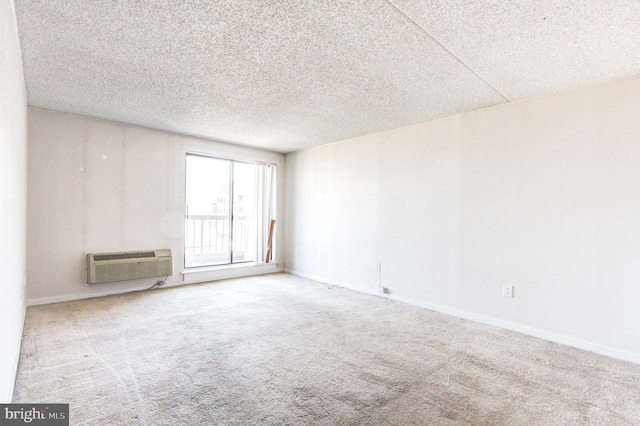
pixel 221 272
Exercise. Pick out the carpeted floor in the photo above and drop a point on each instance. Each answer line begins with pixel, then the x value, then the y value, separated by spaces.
pixel 280 349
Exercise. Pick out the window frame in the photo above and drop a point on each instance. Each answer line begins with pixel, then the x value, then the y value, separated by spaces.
pixel 255 222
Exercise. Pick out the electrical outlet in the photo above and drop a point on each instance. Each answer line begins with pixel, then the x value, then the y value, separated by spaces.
pixel 507 290
pixel 379 267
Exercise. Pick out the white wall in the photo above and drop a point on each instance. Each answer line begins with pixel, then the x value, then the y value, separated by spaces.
pixel 13 194
pixel 542 194
pixel 98 186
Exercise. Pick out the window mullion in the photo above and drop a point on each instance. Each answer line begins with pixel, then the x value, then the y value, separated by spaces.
pixel 231 212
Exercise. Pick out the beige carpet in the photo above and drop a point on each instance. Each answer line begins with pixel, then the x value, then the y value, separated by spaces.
pixel 279 349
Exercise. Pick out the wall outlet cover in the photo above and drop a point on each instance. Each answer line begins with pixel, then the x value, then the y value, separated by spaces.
pixel 507 290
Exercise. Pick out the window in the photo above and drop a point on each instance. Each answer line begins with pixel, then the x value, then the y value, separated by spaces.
pixel 230 206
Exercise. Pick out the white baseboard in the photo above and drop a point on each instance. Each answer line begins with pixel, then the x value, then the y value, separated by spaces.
pixel 520 328
pixel 16 360
pixel 330 281
pixel 194 278
pixel 90 295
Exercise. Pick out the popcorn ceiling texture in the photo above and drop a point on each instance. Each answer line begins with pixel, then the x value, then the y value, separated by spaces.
pixel 532 48
pixel 292 74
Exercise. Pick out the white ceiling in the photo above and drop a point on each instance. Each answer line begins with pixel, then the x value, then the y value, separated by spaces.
pixel 289 74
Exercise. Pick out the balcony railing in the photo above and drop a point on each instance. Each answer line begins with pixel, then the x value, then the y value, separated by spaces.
pixel 208 241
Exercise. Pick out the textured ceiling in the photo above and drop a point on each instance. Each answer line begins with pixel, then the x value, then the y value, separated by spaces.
pixel 290 74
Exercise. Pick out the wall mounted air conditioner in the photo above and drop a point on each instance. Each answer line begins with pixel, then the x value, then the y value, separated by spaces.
pixel 130 265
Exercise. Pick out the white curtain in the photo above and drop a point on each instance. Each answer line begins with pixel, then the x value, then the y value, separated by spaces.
pixel 266 206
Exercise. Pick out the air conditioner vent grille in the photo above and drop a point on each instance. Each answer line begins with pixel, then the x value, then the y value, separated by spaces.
pixel 121 256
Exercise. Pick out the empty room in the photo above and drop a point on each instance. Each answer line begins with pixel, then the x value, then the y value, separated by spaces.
pixel 380 212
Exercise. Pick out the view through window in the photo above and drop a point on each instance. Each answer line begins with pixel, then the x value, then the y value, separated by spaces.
pixel 225 211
